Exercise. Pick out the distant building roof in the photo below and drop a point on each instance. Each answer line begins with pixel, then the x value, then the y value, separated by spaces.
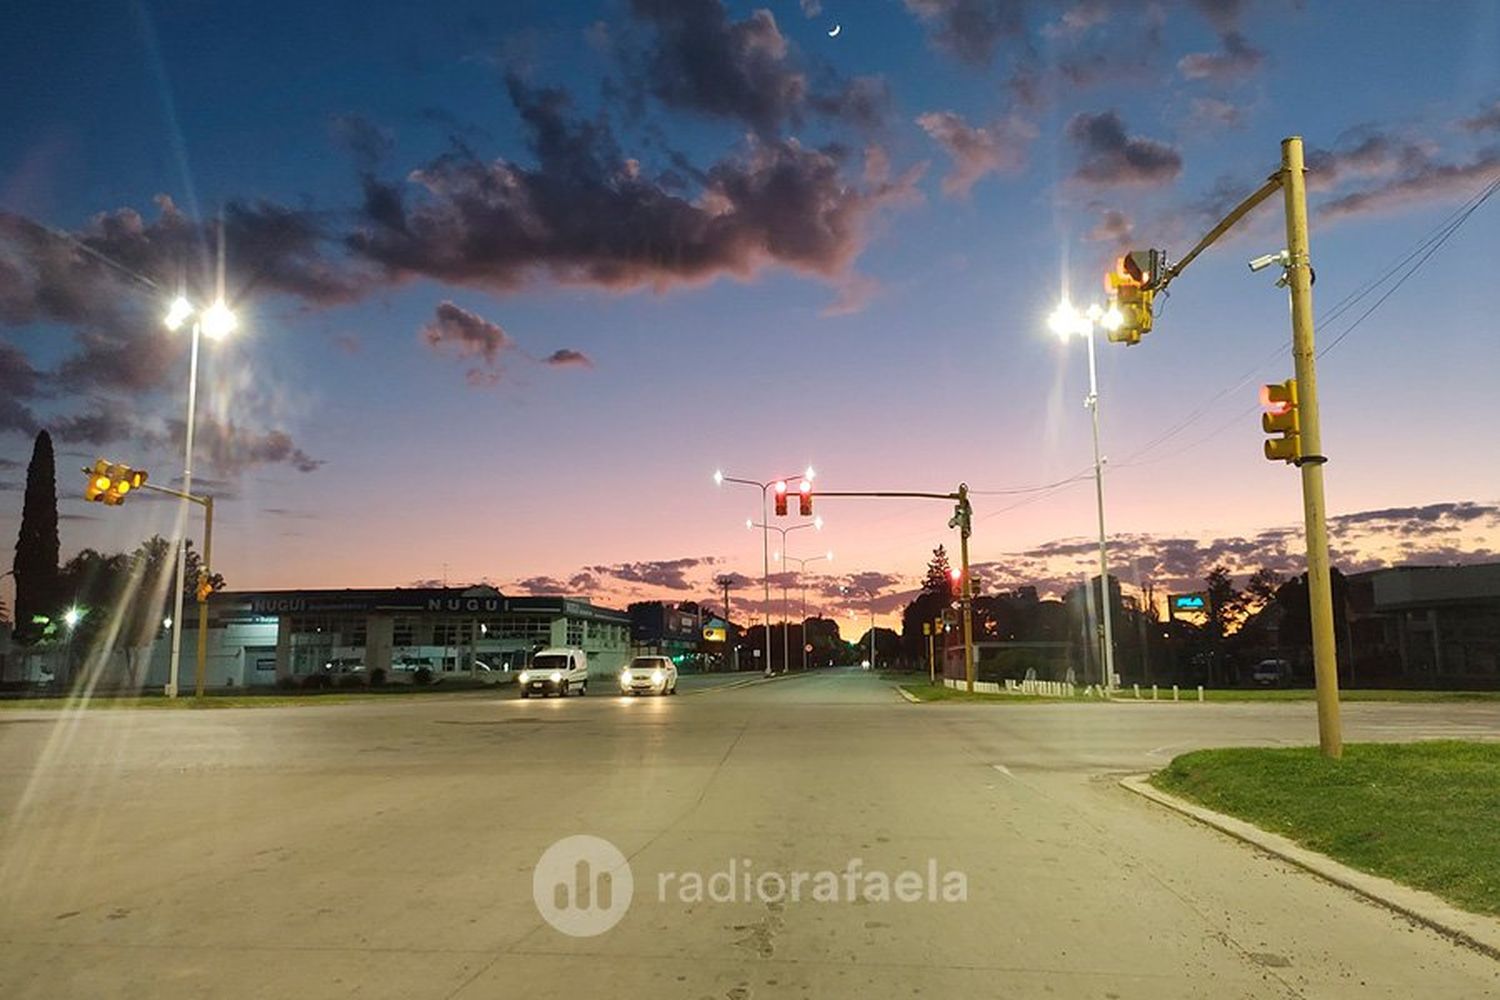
pixel 1421 586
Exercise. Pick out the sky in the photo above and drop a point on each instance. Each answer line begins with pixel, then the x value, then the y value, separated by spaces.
pixel 514 280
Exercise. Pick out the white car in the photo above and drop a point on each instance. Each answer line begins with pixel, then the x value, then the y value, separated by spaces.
pixel 555 671
pixel 649 675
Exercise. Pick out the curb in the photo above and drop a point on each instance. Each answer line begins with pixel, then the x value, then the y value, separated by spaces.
pixel 908 695
pixel 1472 929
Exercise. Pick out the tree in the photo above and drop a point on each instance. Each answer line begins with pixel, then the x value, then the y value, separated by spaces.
pixel 1225 603
pixel 37 546
pixel 1260 592
pixel 939 579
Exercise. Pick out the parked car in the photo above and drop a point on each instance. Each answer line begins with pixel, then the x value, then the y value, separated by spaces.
pixel 344 665
pixel 558 671
pixel 649 675
pixel 415 670
pixel 1272 673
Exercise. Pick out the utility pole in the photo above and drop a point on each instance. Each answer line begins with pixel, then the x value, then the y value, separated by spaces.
pixel 1319 586
pixel 964 517
pixel 931 661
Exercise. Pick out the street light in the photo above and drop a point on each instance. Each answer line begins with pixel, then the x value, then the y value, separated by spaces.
pixel 765 538
pixel 817 524
pixel 71 617
pixel 801 567
pixel 1066 321
pixel 215 322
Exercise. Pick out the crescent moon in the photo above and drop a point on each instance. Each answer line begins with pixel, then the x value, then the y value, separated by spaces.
pixel 834 31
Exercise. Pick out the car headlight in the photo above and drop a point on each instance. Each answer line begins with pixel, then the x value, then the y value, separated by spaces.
pixel 625 676
pixel 525 676
pixel 657 677
pixel 556 676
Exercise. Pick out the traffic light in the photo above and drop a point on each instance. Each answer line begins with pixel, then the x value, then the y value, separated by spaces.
pixel 109 482
pixel 205 587
pixel 1131 290
pixel 1145 266
pixel 804 491
pixel 1281 417
pixel 99 481
pixel 956 580
pixel 781 498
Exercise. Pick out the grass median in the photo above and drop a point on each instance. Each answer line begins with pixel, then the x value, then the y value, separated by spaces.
pixel 1424 814
pixel 1308 694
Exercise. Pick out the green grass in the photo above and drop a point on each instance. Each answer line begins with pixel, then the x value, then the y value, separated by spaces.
pixel 186 700
pixel 1425 814
pixel 1307 694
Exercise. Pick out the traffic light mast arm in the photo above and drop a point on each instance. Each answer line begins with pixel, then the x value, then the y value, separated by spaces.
pixel 200 501
pixel 962 520
pixel 1265 191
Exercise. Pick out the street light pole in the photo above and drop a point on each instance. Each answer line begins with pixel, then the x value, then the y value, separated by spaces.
pixel 215 322
pixel 801 568
pixel 182 517
pixel 765 543
pixel 1108 661
pixel 786 664
pixel 1065 322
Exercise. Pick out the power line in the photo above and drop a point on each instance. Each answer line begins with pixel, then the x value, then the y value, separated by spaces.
pixel 1420 253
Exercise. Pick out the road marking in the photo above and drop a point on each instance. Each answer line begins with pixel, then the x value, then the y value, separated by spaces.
pixel 1003 770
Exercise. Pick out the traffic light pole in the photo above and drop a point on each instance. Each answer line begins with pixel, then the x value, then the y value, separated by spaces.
pixel 205 574
pixel 1319 585
pixel 1309 456
pixel 962 519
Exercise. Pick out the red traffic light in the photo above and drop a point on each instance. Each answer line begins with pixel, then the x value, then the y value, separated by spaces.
pixel 804 504
pixel 781 498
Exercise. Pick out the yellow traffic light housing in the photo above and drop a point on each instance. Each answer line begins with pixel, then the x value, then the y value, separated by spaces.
pixel 109 482
pixel 1281 417
pixel 1131 296
pixel 205 587
pixel 99 483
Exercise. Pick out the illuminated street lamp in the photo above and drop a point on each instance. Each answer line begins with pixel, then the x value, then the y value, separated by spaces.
pixel 765 538
pixel 1067 321
pixel 215 322
pixel 801 567
pixel 72 617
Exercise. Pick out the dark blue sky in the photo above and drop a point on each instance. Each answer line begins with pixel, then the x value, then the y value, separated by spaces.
pixel 515 278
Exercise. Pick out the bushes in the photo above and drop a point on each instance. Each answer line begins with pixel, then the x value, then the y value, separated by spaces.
pixel 286 682
pixel 377 677
pixel 352 680
pixel 423 675
pixel 317 682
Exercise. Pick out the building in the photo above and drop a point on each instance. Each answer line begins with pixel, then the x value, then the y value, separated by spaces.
pixel 665 629
pixel 257 638
pixel 1447 621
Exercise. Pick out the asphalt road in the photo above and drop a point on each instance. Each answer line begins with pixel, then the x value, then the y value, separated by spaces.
pixel 386 849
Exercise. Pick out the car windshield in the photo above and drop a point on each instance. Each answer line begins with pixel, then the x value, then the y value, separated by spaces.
pixel 939 386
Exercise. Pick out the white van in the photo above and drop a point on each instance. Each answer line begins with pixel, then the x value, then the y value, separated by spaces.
pixel 556 671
